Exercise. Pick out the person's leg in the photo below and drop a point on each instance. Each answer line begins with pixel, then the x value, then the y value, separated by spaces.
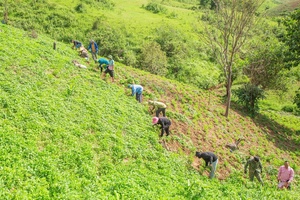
pixel 158 111
pixel 167 130
pixel 162 131
pixel 112 75
pixel 258 176
pixel 139 97
pixel 213 169
pixel 164 112
pixel 251 175
pixel 104 74
pixel 94 54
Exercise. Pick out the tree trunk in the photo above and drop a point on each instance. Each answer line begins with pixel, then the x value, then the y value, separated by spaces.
pixel 228 90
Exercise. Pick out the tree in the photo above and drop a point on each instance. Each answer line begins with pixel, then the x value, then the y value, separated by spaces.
pixel 228 32
pixel 292 38
pixel 297 99
pixel 265 63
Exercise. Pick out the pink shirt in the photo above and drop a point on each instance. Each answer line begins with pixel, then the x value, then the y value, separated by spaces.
pixel 285 174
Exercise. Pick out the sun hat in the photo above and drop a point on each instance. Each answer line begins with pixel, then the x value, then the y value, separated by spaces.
pixel 129 86
pixel 110 56
pixel 155 120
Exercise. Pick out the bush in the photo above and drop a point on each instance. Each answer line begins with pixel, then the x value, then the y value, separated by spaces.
pixel 249 95
pixel 155 8
pixel 80 8
pixel 297 99
pixel 288 108
pixel 153 59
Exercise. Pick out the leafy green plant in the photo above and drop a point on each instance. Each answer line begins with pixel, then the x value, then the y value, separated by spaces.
pixel 155 8
pixel 248 96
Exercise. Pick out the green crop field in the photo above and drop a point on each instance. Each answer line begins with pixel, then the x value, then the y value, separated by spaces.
pixel 65 133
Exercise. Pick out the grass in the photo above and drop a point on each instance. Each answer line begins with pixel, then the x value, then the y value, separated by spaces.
pixel 66 134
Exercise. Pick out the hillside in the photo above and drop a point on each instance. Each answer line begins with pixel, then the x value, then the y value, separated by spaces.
pixel 284 7
pixel 67 134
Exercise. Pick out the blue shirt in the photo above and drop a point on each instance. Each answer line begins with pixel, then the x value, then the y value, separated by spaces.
pixel 136 89
pixel 103 61
pixel 95 46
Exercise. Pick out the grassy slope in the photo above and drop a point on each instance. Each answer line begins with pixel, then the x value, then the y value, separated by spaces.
pixel 66 134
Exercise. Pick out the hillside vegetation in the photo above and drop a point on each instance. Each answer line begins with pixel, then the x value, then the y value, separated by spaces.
pixel 67 134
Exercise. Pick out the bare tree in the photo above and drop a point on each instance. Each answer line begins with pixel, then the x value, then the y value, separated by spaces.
pixel 228 31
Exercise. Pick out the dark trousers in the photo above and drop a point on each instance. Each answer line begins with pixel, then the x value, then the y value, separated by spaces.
pixel 139 97
pixel 165 129
pixel 163 110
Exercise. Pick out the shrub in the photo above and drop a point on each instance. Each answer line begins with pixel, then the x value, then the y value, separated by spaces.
pixel 80 8
pixel 155 8
pixel 288 108
pixel 153 59
pixel 248 95
pixel 297 99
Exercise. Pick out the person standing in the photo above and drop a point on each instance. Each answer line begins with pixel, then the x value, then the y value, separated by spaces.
pixel 159 106
pixel 165 124
pixel 285 176
pixel 93 47
pixel 110 68
pixel 255 168
pixel 210 159
pixel 103 62
pixel 136 90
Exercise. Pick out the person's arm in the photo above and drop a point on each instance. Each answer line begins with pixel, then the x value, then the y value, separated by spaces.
pixel 90 46
pixel 132 91
pixel 279 174
pixel 206 163
pixel 291 176
pixel 260 166
pixel 152 108
pixel 211 160
pixel 246 166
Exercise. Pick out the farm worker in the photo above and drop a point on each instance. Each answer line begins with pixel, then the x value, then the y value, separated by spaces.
pixel 136 90
pixel 164 122
pixel 76 44
pixel 83 52
pixel 159 106
pixel 285 176
pixel 93 47
pixel 255 168
pixel 110 68
pixel 211 159
pixel 103 63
